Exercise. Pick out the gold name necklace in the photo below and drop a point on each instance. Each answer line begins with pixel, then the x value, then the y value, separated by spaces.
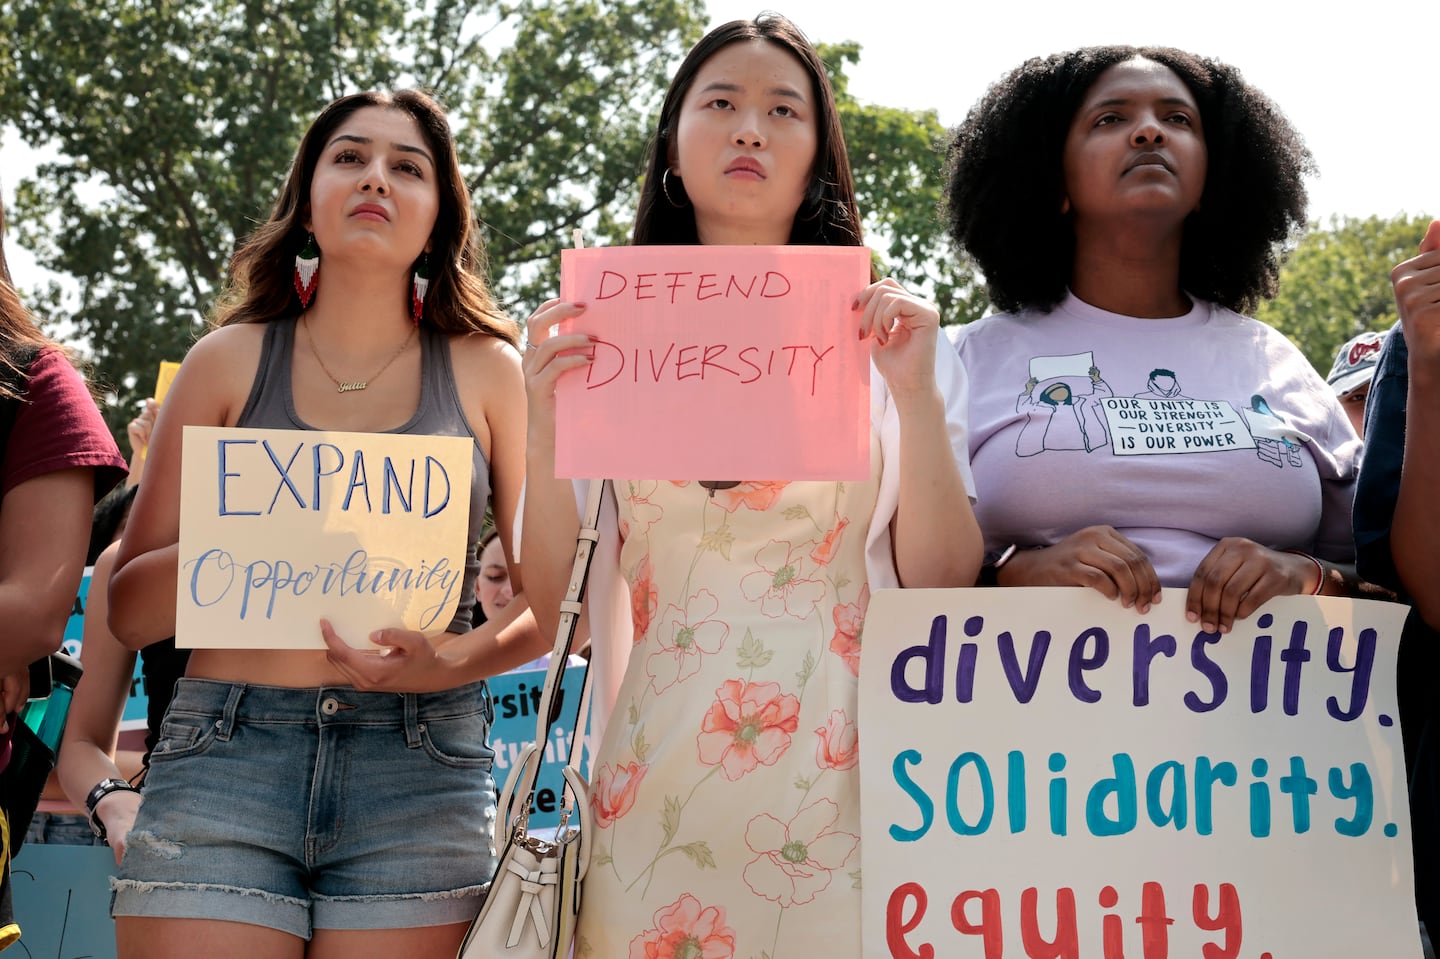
pixel 342 386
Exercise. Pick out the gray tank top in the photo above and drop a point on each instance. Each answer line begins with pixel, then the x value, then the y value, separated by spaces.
pixel 272 406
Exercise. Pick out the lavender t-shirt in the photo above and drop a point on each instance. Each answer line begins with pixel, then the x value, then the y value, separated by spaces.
pixel 1177 432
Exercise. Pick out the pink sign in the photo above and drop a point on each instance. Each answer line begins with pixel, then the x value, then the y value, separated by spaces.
pixel 728 363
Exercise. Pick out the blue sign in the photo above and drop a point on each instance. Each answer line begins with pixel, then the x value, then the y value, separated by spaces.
pixel 137 704
pixel 517 698
pixel 62 902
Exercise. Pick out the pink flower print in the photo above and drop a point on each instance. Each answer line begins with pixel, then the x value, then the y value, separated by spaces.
pixel 782 585
pixel 796 859
pixel 824 550
pixel 757 496
pixel 612 794
pixel 839 746
pixel 849 618
pixel 644 513
pixel 748 725
pixel 644 598
pixel 684 930
pixel 684 638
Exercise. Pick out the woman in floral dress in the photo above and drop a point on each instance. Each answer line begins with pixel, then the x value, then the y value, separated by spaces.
pixel 726 616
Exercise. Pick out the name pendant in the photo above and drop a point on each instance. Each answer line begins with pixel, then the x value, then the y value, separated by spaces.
pixel 348 387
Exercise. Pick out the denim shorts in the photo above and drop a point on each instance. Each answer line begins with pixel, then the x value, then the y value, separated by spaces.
pixel 60 829
pixel 318 808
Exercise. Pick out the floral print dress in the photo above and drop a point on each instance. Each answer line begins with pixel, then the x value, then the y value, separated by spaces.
pixel 726 793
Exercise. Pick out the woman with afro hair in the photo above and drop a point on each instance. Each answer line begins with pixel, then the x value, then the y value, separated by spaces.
pixel 1127 206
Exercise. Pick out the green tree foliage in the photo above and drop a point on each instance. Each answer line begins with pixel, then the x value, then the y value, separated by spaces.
pixel 897 158
pixel 1336 283
pixel 175 123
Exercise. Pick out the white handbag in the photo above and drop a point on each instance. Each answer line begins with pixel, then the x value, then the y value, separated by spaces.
pixel 534 900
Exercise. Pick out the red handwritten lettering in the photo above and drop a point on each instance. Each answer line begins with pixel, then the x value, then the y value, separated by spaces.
pixel 746 361
pixel 734 284
pixel 655 370
pixel 641 286
pixel 1066 944
pixel 770 290
pixel 896 926
pixel 682 360
pixel 990 927
pixel 675 283
pixel 1226 920
pixel 678 362
pixel 1154 924
pixel 1112 929
pixel 980 913
pixel 607 277
pixel 709 360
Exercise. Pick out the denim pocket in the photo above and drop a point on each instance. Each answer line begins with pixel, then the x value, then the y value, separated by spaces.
pixel 459 741
pixel 182 736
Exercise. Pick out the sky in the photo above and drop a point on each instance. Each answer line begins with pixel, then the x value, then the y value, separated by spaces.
pixel 1358 80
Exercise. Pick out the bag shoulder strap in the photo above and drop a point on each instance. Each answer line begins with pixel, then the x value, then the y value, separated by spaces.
pixel 570 609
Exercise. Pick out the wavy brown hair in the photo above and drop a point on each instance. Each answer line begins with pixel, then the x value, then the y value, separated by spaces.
pixel 261 285
pixel 828 215
pixel 20 338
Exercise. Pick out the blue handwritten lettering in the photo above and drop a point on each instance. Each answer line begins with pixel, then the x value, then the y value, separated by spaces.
pixel 221 453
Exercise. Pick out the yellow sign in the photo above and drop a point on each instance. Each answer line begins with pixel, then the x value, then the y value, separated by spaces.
pixel 279 528
pixel 165 377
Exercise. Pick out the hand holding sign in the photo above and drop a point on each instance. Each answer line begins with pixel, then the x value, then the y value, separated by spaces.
pixel 904 329
pixel 1238 576
pixel 404 661
pixel 140 428
pixel 1098 557
pixel 547 357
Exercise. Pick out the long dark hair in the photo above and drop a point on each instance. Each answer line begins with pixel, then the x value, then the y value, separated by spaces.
pixel 261 286
pixel 828 215
pixel 1007 179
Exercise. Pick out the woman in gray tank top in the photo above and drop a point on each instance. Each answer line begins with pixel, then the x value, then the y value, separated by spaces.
pixel 303 800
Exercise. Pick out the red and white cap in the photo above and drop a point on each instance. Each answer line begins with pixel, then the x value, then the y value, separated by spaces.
pixel 1355 362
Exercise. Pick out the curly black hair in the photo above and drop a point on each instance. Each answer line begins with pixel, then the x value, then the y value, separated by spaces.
pixel 1006 180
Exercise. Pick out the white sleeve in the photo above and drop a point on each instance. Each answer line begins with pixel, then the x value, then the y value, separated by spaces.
pixel 954 389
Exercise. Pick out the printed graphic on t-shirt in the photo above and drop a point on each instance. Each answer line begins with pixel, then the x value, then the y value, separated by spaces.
pixel 1067 405
pixel 1061 405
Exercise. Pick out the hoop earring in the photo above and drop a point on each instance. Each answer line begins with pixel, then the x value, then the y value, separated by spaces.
pixel 419 288
pixel 665 189
pixel 307 271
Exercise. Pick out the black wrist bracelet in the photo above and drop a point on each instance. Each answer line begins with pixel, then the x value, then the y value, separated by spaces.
pixel 990 572
pixel 102 789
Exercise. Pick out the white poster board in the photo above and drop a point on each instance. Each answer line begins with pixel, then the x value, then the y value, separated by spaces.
pixel 279 528
pixel 1048 774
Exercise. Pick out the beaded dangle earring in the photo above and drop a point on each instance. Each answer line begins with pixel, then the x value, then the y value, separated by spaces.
pixel 422 285
pixel 307 271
